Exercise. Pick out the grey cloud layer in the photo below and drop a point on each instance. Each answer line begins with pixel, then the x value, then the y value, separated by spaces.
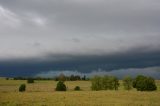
pixel 77 26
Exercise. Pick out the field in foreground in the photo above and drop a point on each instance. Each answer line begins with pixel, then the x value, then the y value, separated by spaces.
pixel 41 93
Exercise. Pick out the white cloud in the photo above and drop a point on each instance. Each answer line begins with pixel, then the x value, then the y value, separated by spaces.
pixel 39 21
pixel 8 18
pixel 35 19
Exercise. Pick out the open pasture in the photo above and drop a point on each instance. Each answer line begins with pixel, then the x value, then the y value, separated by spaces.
pixel 42 93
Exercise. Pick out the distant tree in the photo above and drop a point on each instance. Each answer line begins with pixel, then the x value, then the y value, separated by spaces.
pixel 77 88
pixel 115 83
pixel 143 83
pixel 84 77
pixel 96 83
pixel 61 86
pixel 72 78
pixel 22 88
pixel 7 78
pixel 62 77
pixel 19 78
pixel 106 83
pixel 77 77
pixel 56 78
pixel 30 80
pixel 127 82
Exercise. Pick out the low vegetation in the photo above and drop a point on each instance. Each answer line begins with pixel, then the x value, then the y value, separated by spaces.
pixel 143 83
pixel 30 80
pixel 43 93
pixel 61 86
pixel 127 83
pixel 104 83
pixel 22 88
pixel 77 88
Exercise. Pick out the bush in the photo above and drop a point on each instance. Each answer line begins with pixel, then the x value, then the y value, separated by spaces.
pixel 61 86
pixel 77 88
pixel 7 78
pixel 127 82
pixel 22 88
pixel 143 83
pixel 30 80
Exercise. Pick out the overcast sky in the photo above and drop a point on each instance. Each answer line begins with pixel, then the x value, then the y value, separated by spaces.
pixel 44 35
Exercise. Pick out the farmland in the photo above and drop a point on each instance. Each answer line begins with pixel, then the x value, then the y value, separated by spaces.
pixel 42 93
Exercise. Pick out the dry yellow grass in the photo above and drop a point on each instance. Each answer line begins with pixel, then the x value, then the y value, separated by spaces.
pixel 41 93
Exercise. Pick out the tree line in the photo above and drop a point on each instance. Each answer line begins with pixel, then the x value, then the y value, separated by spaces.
pixel 56 78
pixel 141 83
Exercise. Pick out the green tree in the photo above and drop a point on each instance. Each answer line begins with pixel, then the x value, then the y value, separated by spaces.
pixel 84 77
pixel 137 79
pixel 143 83
pixel 127 82
pixel 104 83
pixel 61 86
pixel 115 83
pixel 96 83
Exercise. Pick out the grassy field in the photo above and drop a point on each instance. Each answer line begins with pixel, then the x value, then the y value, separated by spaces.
pixel 42 93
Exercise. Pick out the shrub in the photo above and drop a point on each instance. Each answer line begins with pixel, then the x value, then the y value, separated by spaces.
pixel 7 78
pixel 61 86
pixel 127 82
pixel 30 80
pixel 143 83
pixel 22 88
pixel 77 88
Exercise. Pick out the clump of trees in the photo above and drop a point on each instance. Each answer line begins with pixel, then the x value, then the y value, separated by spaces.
pixel 61 86
pixel 60 77
pixel 143 83
pixel 63 77
pixel 34 78
pixel 104 83
pixel 127 82
pixel 30 80
pixel 74 77
pixel 22 88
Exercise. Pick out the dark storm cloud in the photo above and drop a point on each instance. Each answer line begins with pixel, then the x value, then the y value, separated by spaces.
pixel 85 64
